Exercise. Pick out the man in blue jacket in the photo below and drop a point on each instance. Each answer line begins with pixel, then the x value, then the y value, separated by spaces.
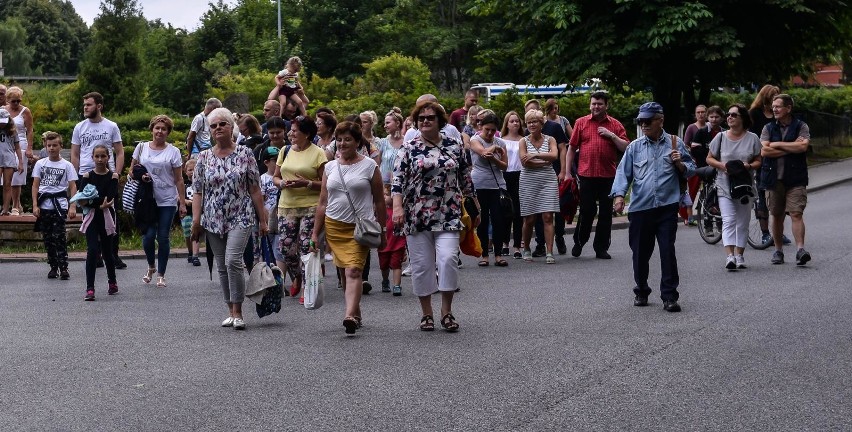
pixel 654 166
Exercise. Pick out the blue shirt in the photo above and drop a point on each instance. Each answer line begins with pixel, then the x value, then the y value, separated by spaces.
pixel 647 164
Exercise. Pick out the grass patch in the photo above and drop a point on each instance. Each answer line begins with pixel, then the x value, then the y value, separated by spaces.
pixel 829 154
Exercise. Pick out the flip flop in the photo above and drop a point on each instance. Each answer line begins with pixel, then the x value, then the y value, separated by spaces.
pixel 483 263
pixel 501 263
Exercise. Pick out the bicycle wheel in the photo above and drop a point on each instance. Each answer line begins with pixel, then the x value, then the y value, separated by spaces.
pixel 755 235
pixel 709 226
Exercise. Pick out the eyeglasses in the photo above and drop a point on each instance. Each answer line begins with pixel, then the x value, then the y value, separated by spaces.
pixel 424 118
pixel 221 124
pixel 15 101
pixel 733 114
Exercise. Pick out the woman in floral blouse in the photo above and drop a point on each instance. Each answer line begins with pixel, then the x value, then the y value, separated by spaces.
pixel 226 204
pixel 429 179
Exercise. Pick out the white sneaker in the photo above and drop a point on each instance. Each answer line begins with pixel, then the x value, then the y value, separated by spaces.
pixel 731 263
pixel 229 322
pixel 407 270
pixel 740 261
pixel 328 257
pixel 239 324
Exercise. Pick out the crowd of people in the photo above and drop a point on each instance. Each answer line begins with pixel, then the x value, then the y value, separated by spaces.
pixel 300 184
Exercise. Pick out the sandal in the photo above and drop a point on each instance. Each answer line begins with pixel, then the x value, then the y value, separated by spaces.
pixel 500 262
pixel 149 275
pixel 483 263
pixel 517 255
pixel 161 281
pixel 427 323
pixel 448 322
pixel 350 324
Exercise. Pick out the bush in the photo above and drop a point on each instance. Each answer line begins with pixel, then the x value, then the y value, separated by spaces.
pixel 253 83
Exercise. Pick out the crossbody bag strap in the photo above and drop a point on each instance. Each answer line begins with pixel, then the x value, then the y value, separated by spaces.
pixel 346 191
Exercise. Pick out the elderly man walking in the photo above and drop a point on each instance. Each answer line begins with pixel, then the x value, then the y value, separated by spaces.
pixel 654 164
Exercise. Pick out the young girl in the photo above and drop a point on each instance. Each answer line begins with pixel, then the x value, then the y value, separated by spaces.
pixel 391 257
pixel 287 86
pixel 186 222
pixel 54 180
pixel 270 200
pixel 99 220
pixel 9 160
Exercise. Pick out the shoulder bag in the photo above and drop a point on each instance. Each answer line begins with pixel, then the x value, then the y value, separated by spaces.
pixel 367 232
pixel 507 207
pixel 131 186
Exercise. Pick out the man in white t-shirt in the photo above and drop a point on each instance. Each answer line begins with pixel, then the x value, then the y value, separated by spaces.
pixel 198 138
pixel 448 130
pixel 97 130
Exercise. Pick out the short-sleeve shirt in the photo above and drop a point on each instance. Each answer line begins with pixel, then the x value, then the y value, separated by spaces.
pixel 8 157
pixel 458 117
pixel 598 155
pixel 161 166
pixel 431 181
pixel 485 174
pixel 725 149
pixel 358 178
pixel 270 192
pixel 305 163
pixel 388 157
pixel 88 134
pixel 202 131
pixel 224 184
pixel 55 176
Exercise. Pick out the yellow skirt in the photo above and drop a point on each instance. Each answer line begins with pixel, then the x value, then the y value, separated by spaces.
pixel 341 239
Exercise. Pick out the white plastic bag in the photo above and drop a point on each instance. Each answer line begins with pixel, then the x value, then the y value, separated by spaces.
pixel 314 293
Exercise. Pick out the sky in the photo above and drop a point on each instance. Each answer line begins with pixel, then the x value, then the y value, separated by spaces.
pixel 180 13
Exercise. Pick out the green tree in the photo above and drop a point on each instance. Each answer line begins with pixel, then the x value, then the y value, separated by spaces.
pixel 217 34
pixel 257 37
pixel 17 55
pixel 113 65
pixel 172 80
pixel 676 48
pixel 55 32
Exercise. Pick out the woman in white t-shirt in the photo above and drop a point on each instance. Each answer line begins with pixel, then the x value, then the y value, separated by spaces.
pixel 513 126
pixel 358 176
pixel 163 162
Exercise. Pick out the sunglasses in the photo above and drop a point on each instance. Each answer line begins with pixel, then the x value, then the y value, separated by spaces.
pixel 644 122
pixel 15 101
pixel 221 124
pixel 424 118
pixel 733 114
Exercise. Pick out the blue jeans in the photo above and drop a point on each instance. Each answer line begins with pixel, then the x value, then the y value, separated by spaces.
pixel 160 230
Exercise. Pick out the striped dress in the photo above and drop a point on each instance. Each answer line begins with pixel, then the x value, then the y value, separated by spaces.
pixel 539 187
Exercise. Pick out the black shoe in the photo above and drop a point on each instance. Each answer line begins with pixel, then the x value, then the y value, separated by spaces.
pixel 640 300
pixel 539 252
pixel 366 287
pixel 802 257
pixel 602 255
pixel 100 263
pixel 560 246
pixel 53 274
pixel 671 306
pixel 63 274
pixel 119 264
pixel 576 250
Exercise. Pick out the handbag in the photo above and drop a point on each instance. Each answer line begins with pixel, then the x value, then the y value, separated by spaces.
pixel 507 207
pixel 468 240
pixel 367 231
pixel 314 291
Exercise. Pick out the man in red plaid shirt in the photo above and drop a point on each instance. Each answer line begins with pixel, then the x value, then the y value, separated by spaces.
pixel 597 140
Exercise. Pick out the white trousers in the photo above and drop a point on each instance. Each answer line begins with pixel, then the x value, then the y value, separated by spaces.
pixel 427 250
pixel 735 220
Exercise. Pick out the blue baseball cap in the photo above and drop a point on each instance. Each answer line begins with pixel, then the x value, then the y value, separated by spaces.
pixel 649 110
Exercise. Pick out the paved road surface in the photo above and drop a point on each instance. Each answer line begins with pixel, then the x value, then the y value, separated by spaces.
pixel 541 347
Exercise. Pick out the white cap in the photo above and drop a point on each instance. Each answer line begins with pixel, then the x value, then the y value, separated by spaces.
pixel 4 116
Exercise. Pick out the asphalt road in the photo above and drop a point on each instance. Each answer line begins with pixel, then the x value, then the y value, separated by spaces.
pixel 541 347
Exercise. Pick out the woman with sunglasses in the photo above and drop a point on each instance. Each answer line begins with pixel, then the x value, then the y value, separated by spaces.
pixel 430 178
pixel 727 150
pixel 227 203
pixel 23 118
pixel 299 177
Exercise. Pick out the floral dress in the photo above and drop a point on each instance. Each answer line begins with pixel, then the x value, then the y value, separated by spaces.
pixel 224 184
pixel 432 181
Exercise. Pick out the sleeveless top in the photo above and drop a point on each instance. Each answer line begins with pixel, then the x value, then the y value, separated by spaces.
pixel 22 130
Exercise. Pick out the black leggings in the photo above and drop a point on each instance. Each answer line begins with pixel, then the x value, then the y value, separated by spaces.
pixel 97 240
pixel 491 215
pixel 514 227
